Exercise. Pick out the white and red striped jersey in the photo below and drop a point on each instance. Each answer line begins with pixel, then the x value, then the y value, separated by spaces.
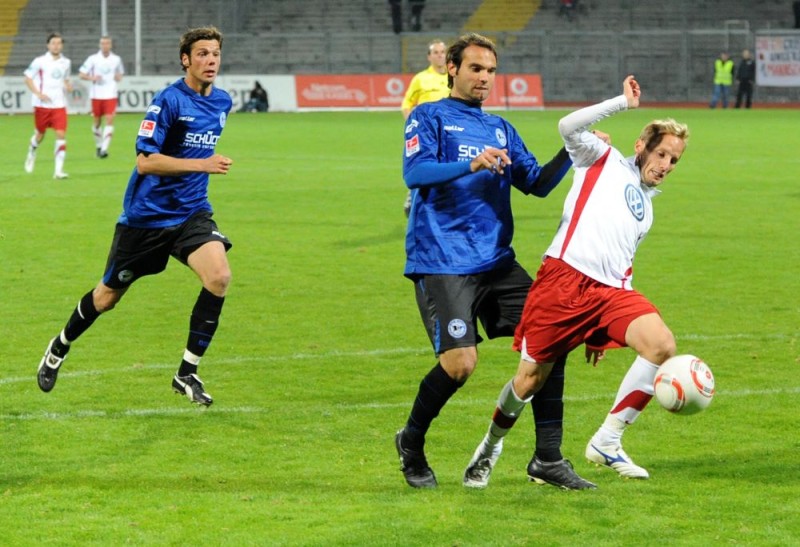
pixel 50 75
pixel 107 68
pixel 608 210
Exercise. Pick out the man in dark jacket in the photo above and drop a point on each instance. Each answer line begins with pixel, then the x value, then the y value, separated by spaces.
pixel 745 76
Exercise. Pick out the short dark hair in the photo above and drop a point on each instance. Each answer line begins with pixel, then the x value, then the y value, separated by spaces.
pixel 194 35
pixel 455 54
pixel 53 35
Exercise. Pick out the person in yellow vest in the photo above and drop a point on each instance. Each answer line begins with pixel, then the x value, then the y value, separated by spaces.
pixel 723 79
pixel 427 86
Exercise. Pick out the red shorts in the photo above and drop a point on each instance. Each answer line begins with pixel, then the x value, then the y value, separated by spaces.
pixel 104 107
pixel 566 308
pixel 50 117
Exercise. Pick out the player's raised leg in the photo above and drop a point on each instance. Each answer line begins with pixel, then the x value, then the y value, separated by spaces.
pixel 210 263
pixel 654 343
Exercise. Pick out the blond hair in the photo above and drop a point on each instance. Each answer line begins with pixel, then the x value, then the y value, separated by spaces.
pixel 654 132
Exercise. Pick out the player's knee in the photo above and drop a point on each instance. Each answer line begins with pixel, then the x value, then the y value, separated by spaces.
pixel 459 364
pixel 218 282
pixel 463 369
pixel 663 346
pixel 105 301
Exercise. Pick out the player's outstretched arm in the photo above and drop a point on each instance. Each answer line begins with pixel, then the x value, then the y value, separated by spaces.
pixel 163 165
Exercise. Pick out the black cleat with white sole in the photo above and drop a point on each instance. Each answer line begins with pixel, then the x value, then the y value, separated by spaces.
pixel 47 373
pixel 192 387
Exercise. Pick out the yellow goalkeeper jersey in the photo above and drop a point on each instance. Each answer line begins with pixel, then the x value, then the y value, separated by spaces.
pixel 425 87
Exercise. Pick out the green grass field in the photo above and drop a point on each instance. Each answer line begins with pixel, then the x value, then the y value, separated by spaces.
pixel 320 351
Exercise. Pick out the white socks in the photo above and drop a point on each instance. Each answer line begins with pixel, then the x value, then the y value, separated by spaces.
pixel 61 154
pixel 106 140
pixel 634 393
pixel 509 407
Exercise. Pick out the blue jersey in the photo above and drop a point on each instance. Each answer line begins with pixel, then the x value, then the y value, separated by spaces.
pixel 460 222
pixel 179 123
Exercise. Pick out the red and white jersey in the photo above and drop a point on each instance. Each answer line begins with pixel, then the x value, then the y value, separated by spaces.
pixel 49 75
pixel 608 211
pixel 107 68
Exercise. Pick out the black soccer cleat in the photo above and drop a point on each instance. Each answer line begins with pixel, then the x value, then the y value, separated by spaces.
pixel 192 387
pixel 102 154
pixel 558 473
pixel 414 465
pixel 48 368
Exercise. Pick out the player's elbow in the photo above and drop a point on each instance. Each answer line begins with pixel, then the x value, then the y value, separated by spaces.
pixel 144 165
pixel 563 128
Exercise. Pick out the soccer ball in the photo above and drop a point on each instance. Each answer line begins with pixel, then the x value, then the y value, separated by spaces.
pixel 684 384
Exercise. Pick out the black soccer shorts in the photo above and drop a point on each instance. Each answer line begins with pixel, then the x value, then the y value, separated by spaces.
pixel 451 305
pixel 136 252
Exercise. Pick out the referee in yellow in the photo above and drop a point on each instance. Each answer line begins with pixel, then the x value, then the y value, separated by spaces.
pixel 427 86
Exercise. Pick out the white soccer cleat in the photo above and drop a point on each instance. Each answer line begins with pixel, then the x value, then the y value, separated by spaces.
pixel 614 456
pixel 60 176
pixel 30 161
pixel 480 466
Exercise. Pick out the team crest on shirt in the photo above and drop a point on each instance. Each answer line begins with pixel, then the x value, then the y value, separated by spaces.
pixel 222 119
pixel 457 328
pixel 412 146
pixel 500 136
pixel 635 201
pixel 147 128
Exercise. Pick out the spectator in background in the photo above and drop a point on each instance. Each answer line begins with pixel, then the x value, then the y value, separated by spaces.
pixel 259 100
pixel 104 69
pixel 416 14
pixel 796 9
pixel 427 86
pixel 723 79
pixel 47 77
pixel 745 75
pixel 568 9
pixel 396 7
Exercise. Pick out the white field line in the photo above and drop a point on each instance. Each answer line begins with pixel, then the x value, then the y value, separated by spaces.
pixel 220 409
pixel 464 402
pixel 422 351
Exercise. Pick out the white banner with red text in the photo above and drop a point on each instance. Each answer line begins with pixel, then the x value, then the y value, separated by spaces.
pixel 778 60
pixel 287 93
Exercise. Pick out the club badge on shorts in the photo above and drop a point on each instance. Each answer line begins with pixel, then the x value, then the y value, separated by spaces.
pixel 457 328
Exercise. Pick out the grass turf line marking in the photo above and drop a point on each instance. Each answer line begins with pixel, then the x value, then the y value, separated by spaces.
pixel 361 353
pixel 220 409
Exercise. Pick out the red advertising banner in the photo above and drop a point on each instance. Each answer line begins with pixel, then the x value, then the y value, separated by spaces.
pixel 387 90
pixel 332 91
pixel 351 91
pixel 523 91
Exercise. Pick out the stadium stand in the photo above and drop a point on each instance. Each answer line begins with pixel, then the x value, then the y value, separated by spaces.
pixel 502 15
pixel 579 58
pixel 10 11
